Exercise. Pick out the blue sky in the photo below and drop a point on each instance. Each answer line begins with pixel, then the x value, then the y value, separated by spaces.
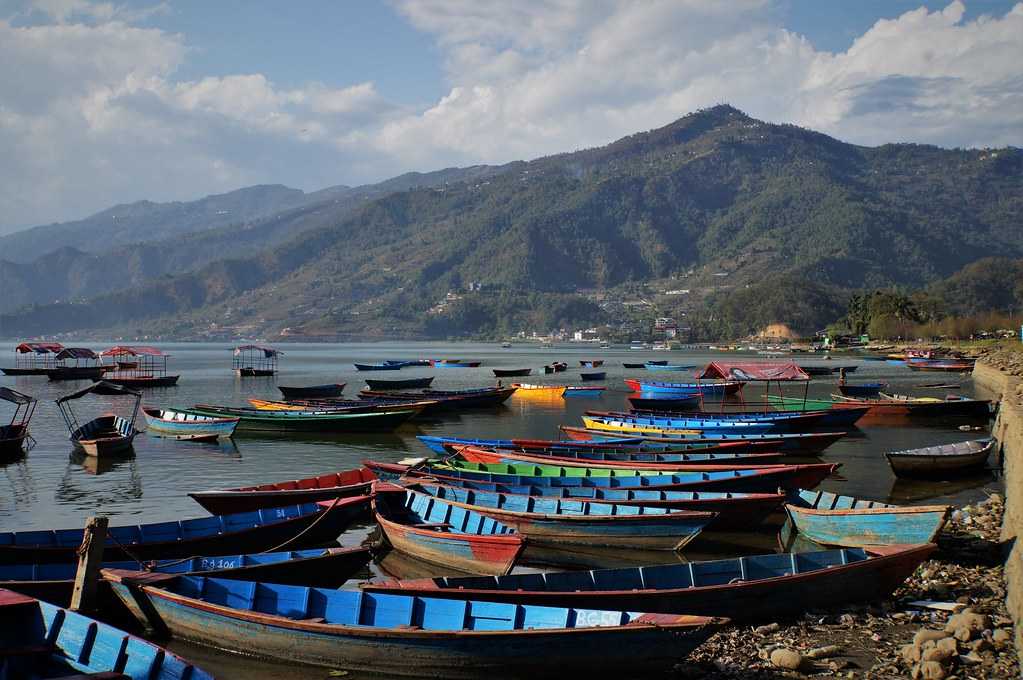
pixel 105 102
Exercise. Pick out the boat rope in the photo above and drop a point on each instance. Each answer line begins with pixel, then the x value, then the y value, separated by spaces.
pixel 337 499
pixel 129 553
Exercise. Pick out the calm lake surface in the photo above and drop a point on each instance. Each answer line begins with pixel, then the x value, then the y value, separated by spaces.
pixel 51 488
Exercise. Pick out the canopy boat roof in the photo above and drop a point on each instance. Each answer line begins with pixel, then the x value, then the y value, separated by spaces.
pixel 761 371
pixel 130 350
pixel 77 353
pixel 39 347
pixel 267 351
pixel 15 397
pixel 103 387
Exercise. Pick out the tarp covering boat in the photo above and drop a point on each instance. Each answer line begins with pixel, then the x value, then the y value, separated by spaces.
pixel 753 371
pixel 76 353
pixel 39 347
pixel 132 351
pixel 267 351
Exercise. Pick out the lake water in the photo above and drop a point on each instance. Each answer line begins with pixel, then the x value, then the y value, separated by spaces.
pixel 51 488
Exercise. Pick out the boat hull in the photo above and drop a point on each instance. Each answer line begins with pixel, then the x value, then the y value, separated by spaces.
pixel 409 384
pixel 186 427
pixel 279 421
pixel 228 502
pixel 313 392
pixel 869 527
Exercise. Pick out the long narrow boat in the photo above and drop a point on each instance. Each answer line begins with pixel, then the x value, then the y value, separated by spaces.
pixel 39 640
pixel 405 636
pixel 768 478
pixel 594 376
pixel 511 372
pixel 945 460
pixel 792 443
pixel 663 401
pixel 165 422
pixel 557 522
pixel 639 461
pixel 652 366
pixel 329 391
pixel 862 390
pixel 447 445
pixel 830 519
pixel 529 389
pixel 378 367
pixel 254 420
pixel 243 532
pixel 452 363
pixel 583 391
pixel 705 388
pixel 736 511
pixel 325 567
pixel 783 421
pixel 448 400
pixel 892 405
pixel 407 384
pixel 613 423
pixel 335 405
pixel 452 537
pixel 293 492
pixel 752 588
pixel 945 366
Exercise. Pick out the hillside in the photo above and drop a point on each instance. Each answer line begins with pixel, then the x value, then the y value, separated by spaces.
pixel 728 207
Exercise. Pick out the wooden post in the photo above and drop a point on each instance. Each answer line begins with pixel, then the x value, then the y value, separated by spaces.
pixel 90 559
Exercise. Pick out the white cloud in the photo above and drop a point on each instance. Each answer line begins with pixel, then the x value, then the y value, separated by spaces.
pixel 92 113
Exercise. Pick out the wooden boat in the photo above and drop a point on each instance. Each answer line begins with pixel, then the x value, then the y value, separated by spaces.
pixel 556 522
pixel 405 636
pixel 337 406
pixel 582 391
pixel 862 390
pixel 591 363
pixel 768 478
pixel 13 435
pixel 408 384
pixel 326 487
pixel 378 367
pixel 254 420
pixel 941 461
pixel 447 445
pixel 41 640
pixel 792 443
pixel 751 588
pixel 693 425
pixel 330 391
pixel 511 372
pixel 325 567
pixel 660 401
pixel 892 405
pixel 816 369
pixel 784 421
pixel 452 363
pixel 76 363
pixel 528 389
pixel 633 366
pixel 244 532
pixel 830 519
pixel 709 388
pixel 255 361
pixel 596 458
pixel 448 400
pixel 735 511
pixel 652 366
pixel 452 537
pixel 33 358
pixel 596 375
pixel 107 435
pixel 165 422
pixel 950 366
pixel 556 367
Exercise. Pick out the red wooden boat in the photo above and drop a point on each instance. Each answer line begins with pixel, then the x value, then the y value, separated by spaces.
pixel 293 492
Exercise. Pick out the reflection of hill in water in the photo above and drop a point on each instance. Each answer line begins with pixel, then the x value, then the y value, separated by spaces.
pixel 124 482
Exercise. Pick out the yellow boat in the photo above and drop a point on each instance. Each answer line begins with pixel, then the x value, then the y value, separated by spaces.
pixel 265 405
pixel 535 389
pixel 641 430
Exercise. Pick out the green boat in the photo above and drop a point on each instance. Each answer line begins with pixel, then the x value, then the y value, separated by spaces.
pixel 798 403
pixel 255 420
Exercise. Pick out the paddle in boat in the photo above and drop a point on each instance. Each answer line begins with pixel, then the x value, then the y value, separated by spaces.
pixel 166 422
pixel 106 435
pixel 830 519
pixel 342 484
pixel 14 434
pixel 40 640
pixel 402 635
pixel 944 460
pixel 451 537
pixel 751 588
pixel 244 532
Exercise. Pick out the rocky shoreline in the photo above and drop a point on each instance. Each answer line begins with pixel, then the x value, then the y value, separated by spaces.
pixel 948 621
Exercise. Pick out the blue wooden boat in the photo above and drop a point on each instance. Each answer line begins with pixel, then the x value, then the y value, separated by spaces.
pixel 766 478
pixel 378 367
pixel 453 363
pixel 451 537
pixel 793 443
pixel 166 422
pixel 664 401
pixel 862 390
pixel 781 421
pixel 752 588
pixel 39 640
pixel 830 519
pixel 655 460
pixel 723 425
pixel 595 375
pixel 407 636
pixel 558 522
pixel 326 567
pixel 651 366
pixel 243 532
pixel 448 445
pixel 582 391
pixel 706 388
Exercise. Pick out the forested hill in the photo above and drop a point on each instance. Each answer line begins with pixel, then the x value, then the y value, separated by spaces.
pixel 717 198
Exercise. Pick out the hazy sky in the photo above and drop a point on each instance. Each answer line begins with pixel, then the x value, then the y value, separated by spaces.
pixel 111 102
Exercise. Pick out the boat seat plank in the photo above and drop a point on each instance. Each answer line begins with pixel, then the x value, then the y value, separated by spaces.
pixel 388 611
